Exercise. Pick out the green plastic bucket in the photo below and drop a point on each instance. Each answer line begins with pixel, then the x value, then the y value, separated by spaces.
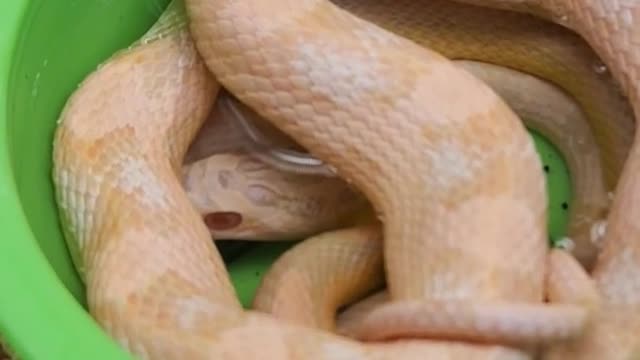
pixel 46 48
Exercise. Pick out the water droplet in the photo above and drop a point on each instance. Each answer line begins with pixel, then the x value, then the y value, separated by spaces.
pixel 380 216
pixel 45 62
pixel 566 244
pixel 563 19
pixel 185 61
pixel 600 68
pixel 598 231
pixel 602 228
pixel 36 85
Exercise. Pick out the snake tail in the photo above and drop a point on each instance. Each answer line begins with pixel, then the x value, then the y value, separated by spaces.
pixel 511 324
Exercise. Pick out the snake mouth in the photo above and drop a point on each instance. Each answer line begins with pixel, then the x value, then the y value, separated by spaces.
pixel 223 220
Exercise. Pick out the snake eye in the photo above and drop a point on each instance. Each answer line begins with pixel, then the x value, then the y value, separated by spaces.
pixel 223 220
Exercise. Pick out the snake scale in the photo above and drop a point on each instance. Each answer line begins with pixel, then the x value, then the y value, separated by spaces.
pixel 444 162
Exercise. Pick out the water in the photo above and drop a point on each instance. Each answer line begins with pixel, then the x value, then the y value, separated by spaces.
pixel 600 68
pixel 566 244
pixel 36 85
pixel 598 231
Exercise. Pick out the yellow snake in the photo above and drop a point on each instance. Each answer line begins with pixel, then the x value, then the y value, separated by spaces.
pixel 388 115
pixel 335 269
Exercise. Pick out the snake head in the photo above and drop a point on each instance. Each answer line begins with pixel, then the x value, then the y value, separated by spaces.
pixel 242 198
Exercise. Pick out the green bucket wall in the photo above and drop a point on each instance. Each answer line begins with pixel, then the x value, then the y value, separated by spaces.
pixel 46 48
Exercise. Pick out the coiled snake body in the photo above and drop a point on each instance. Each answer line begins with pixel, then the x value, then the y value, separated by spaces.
pixel 442 159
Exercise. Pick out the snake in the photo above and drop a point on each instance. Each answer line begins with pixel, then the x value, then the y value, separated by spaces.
pixel 242 197
pixel 224 180
pixel 336 269
pixel 562 53
pixel 567 281
pixel 155 281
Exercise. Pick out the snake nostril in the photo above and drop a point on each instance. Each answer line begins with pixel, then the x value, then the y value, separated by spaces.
pixel 222 220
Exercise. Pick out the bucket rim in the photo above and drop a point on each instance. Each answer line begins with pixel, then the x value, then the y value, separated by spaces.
pixel 39 317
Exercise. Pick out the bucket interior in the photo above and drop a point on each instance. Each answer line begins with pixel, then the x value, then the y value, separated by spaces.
pixel 57 43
